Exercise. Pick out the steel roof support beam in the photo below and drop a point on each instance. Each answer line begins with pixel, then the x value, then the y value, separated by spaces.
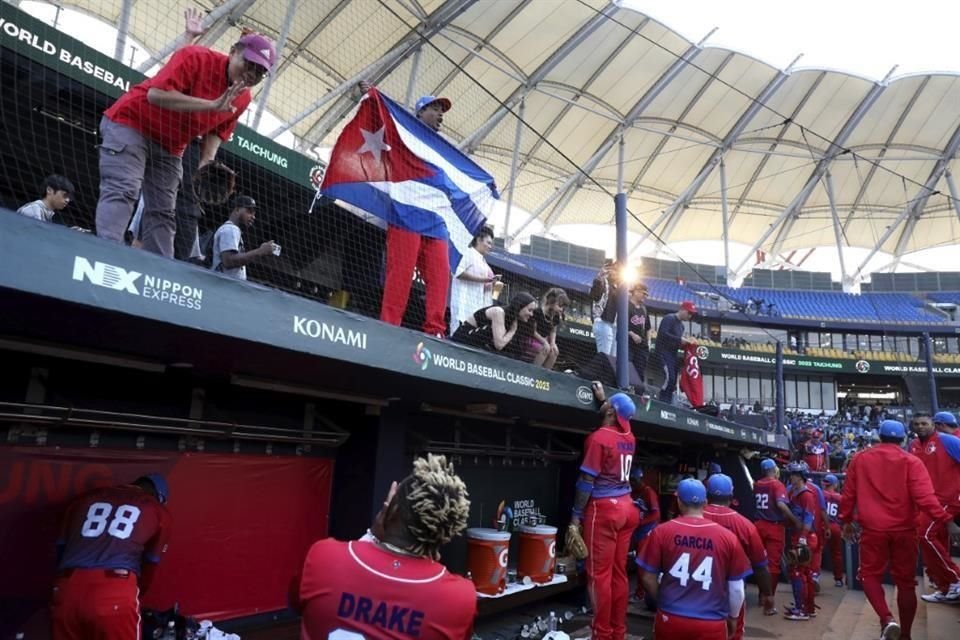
pixel 576 180
pixel 786 219
pixel 517 139
pixel 707 169
pixel 281 45
pixel 520 6
pixel 725 219
pixel 310 37
pixel 875 165
pixel 469 144
pixel 914 208
pixel 123 27
pixel 954 196
pixel 216 22
pixel 837 230
pixel 412 81
pixel 374 73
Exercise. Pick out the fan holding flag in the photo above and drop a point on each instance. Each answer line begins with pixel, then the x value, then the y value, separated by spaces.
pixel 433 198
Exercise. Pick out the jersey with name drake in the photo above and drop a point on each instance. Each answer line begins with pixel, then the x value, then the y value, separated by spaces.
pixel 697 558
pixel 353 590
pixel 114 528
pixel 767 493
pixel 608 456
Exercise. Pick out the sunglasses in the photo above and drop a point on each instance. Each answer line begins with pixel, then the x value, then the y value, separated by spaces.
pixel 255 69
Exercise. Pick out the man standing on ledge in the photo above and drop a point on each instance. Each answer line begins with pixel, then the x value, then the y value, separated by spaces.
pixel 199 92
pixel 886 489
pixel 669 338
pixel 408 249
pixel 602 502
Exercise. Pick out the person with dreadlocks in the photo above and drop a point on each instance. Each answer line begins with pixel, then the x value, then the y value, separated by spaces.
pixel 390 583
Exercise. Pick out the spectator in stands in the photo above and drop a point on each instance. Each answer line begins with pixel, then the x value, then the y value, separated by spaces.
pixel 57 194
pixel 669 338
pixel 228 253
pixel 945 422
pixel 495 328
pixel 603 311
pixel 472 285
pixel 541 345
pixel 199 92
pixel 638 327
pixel 408 249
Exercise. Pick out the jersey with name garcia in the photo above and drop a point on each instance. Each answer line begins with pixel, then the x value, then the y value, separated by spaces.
pixel 355 590
pixel 767 493
pixel 697 558
pixel 114 528
pixel 608 456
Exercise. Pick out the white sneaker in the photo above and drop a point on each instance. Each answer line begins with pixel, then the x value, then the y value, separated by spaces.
pixel 891 631
pixel 937 596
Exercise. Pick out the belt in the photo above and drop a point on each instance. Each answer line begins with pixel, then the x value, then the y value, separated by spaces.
pixel 109 573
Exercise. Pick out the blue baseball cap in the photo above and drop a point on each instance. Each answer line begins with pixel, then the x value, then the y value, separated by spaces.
pixel 691 491
pixel 767 464
pixel 831 479
pixel 636 472
pixel 892 429
pixel 945 417
pixel 160 486
pixel 624 407
pixel 720 485
pixel 445 103
pixel 714 467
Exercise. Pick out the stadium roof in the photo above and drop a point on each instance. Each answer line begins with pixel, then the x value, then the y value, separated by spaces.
pixel 810 157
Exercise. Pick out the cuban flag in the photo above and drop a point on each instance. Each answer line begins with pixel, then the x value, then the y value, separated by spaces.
pixel 393 166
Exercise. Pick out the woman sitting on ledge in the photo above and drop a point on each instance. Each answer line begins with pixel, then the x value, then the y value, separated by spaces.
pixel 496 328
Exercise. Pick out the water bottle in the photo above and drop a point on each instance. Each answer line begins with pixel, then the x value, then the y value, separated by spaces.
pixel 552 622
pixel 171 633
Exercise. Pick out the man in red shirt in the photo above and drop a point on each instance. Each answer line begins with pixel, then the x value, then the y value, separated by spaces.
pixel 109 547
pixel 886 489
pixel 719 495
pixel 940 454
pixel 772 511
pixel 647 502
pixel 804 503
pixel 199 92
pixel 390 584
pixel 816 452
pixel 701 568
pixel 602 504
pixel 834 539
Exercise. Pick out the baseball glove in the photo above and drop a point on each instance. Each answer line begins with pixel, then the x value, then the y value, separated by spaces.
pixel 214 183
pixel 799 556
pixel 574 542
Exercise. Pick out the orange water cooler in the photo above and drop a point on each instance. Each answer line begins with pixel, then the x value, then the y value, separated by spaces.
pixel 487 555
pixel 538 552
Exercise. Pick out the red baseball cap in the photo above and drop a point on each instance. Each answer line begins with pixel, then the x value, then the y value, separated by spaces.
pixel 686 305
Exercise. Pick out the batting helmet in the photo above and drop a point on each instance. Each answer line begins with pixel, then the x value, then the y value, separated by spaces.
pixel 798 468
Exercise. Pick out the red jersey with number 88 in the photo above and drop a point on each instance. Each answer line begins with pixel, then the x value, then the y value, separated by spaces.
pixel 697 558
pixel 114 528
pixel 608 456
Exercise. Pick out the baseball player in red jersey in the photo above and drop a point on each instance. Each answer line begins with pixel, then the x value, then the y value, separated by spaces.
pixel 390 584
pixel 940 454
pixel 719 495
pixel 946 422
pixel 804 504
pixel 602 504
pixel 109 547
pixel 648 506
pixel 816 452
pixel 772 511
pixel 833 538
pixel 701 567
pixel 820 527
pixel 885 490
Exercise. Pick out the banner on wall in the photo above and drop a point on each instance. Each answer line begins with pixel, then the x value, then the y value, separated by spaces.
pixel 241 524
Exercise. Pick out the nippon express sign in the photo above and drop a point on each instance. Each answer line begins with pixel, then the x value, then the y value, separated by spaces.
pixel 129 282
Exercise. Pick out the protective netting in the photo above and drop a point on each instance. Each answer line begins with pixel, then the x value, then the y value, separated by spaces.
pixel 62 67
